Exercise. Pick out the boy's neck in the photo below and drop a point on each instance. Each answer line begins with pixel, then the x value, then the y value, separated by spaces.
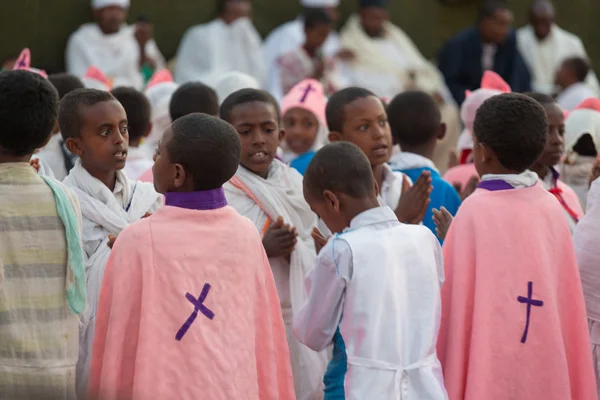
pixel 425 150
pixel 378 172
pixel 8 158
pixel 359 206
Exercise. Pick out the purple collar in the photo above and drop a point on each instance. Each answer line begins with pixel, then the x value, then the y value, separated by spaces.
pixel 494 185
pixel 204 200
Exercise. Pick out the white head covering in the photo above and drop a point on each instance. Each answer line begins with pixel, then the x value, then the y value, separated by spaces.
pixel 580 122
pixel 231 82
pixel 159 97
pixel 98 4
pixel 319 3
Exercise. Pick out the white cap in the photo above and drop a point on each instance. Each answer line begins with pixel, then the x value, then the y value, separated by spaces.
pixel 231 82
pixel 98 4
pixel 319 3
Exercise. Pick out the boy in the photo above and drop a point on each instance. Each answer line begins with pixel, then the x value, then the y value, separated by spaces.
pixel 512 304
pixel 94 126
pixel 193 97
pixel 42 278
pixel 269 193
pixel 571 79
pixel 55 153
pixel 141 349
pixel 363 287
pixel 357 116
pixel 137 108
pixel 416 125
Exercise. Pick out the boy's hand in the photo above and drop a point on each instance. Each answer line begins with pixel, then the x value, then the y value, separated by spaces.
pixel 35 163
pixel 320 240
pixel 144 31
pixel 111 240
pixel 280 239
pixel 442 219
pixel 413 203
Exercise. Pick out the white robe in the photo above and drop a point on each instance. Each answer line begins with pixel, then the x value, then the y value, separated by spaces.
pixel 138 162
pixel 572 96
pixel 545 58
pixel 53 157
pixel 104 212
pixel 210 50
pixel 116 55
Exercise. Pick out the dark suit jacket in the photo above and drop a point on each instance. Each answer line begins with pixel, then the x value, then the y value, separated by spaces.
pixel 459 60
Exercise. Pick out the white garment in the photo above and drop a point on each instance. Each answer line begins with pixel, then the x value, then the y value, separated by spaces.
pixel 138 162
pixel 104 212
pixel 208 51
pixel 488 55
pixel 159 97
pixel 281 195
pixel 53 157
pixel 572 96
pixel 44 169
pixel 233 81
pixel 544 58
pixel 406 160
pixel 116 55
pixel 364 281
pixel 319 3
pixel 98 4
pixel 525 179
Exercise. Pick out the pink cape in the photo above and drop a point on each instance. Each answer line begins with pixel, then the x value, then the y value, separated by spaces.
pixel 499 246
pixel 570 198
pixel 161 265
pixel 461 174
pixel 147 176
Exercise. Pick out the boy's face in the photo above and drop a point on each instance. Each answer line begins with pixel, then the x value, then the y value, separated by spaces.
pixel 555 145
pixel 564 76
pixel 103 140
pixel 301 128
pixel 327 207
pixel 258 127
pixel 317 35
pixel 366 125
pixel 165 173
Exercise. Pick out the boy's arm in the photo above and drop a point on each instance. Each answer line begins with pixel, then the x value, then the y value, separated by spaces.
pixel 316 322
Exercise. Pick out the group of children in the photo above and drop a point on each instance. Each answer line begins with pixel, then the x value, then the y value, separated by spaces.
pixel 234 275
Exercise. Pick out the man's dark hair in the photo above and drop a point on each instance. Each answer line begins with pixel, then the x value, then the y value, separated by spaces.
pixel 245 96
pixel 207 147
pixel 335 111
pixel 315 17
pixel 414 118
pixel 28 112
pixel 541 98
pixel 580 66
pixel 340 167
pixel 222 5
pixel 138 110
pixel 515 127
pixel 193 97
pixel 489 8
pixel 65 83
pixel 69 118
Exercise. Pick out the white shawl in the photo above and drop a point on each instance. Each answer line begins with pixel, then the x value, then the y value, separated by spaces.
pixel 103 215
pixel 263 201
pixel 587 247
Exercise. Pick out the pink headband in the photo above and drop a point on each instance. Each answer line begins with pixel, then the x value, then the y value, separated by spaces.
pixel 590 103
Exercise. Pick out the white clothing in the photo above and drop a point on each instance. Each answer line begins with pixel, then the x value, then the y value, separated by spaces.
pixel 406 160
pixel 44 168
pixel 263 201
pixel 488 55
pixel 159 97
pixel 364 281
pixel 104 212
pixel 137 163
pixel 544 58
pixel 319 3
pixel 233 81
pixel 98 4
pixel 116 55
pixel 572 96
pixel 52 155
pixel 549 182
pixel 208 51
pixel 525 179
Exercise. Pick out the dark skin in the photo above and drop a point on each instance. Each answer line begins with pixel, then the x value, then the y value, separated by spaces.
pixel 137 142
pixel 495 29
pixel 103 140
pixel 372 20
pixel 236 9
pixel 566 76
pixel 555 146
pixel 541 17
pixel 258 126
pixel 169 176
pixel 301 128
pixel 110 19
pixel 315 37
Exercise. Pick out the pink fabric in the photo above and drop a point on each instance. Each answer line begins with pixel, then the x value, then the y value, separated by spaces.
pixel 570 197
pixel 24 63
pixel 162 76
pixel 147 176
pixel 589 104
pixel 241 353
pixel 95 74
pixel 461 174
pixel 309 96
pixel 498 243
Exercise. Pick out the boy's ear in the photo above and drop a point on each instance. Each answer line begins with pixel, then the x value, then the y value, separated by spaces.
pixel 335 136
pixel 331 200
pixel 442 131
pixel 74 146
pixel 149 130
pixel 179 177
pixel 281 134
pixel 486 153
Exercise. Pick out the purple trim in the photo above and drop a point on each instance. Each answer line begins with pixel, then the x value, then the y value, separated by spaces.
pixel 204 200
pixel 530 302
pixel 198 306
pixel 494 185
pixel 555 174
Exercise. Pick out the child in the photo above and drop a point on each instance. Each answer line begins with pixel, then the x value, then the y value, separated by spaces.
pixel 582 144
pixel 144 348
pixel 416 124
pixel 356 115
pixel 303 112
pixel 42 278
pixel 55 154
pixel 137 108
pixel 571 78
pixel 268 192
pixel 362 288
pixel 94 126
pixel 551 156
pixel 193 97
pixel 513 316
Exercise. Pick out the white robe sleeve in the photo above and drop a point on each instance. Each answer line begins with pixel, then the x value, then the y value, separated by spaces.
pixel 193 56
pixel 317 321
pixel 76 60
pixel 153 52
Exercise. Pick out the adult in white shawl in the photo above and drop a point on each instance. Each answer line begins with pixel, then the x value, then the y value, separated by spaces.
pixel 111 46
pixel 104 212
pixel 227 43
pixel 544 46
pixel 387 62
pixel 587 248
pixel 264 201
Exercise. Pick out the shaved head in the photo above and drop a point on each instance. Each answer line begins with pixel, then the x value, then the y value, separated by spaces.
pixel 541 17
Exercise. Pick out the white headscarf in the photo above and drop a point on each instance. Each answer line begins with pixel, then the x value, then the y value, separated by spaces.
pixel 231 82
pixel 98 4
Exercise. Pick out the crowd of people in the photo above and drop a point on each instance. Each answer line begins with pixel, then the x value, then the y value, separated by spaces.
pixel 318 216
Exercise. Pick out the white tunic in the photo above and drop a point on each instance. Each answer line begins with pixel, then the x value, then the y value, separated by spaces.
pixel 572 96
pixel 138 162
pixel 380 282
pixel 116 55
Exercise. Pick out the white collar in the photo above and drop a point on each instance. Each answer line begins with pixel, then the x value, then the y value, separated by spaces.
pixel 407 160
pixel 523 180
pixel 373 216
